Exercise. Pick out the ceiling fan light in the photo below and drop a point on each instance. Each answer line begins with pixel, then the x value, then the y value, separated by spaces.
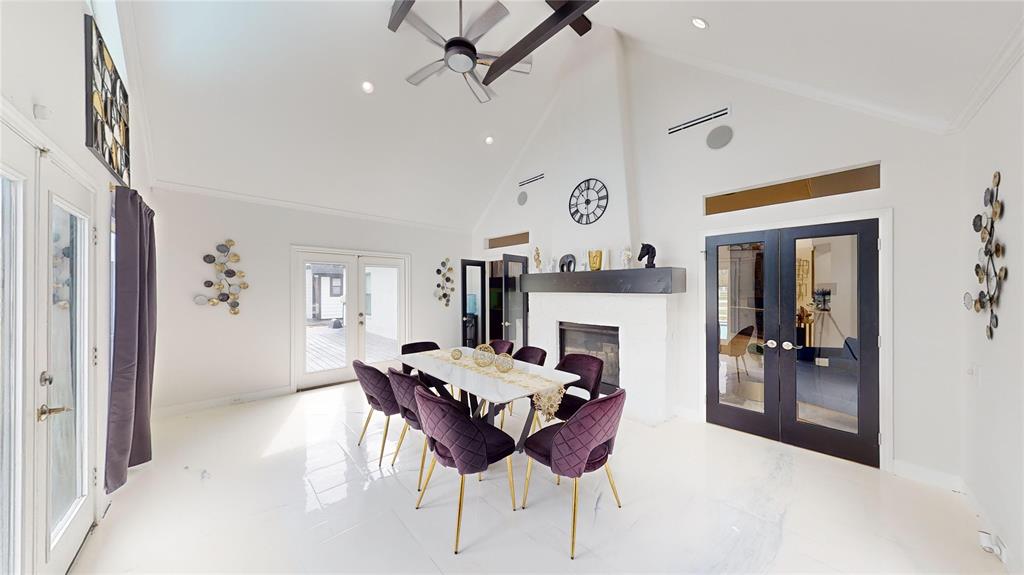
pixel 699 23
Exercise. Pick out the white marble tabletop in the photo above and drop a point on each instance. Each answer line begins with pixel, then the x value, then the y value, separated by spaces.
pixel 488 383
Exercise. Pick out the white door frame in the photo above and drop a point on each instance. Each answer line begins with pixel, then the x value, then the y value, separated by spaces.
pixel 297 293
pixel 886 424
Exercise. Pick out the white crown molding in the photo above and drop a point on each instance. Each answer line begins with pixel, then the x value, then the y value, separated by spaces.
pixel 181 187
pixel 1001 66
pixel 928 124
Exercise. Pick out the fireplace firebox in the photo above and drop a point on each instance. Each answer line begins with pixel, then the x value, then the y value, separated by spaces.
pixel 597 340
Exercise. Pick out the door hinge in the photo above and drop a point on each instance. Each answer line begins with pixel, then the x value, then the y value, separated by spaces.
pixel 879 244
pixel 879 342
pixel 95 236
pixel 95 477
pixel 879 438
pixel 95 356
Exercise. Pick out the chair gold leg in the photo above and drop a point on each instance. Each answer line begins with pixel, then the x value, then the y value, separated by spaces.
pixel 365 425
pixel 430 471
pixel 526 485
pixel 511 482
pixel 423 460
pixel 401 438
pixel 575 504
pixel 503 418
pixel 511 411
pixel 458 519
pixel 536 422
pixel 611 481
pixel 558 480
pixel 479 476
pixel 383 441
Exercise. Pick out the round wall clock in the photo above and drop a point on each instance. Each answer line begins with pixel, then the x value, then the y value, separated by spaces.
pixel 588 201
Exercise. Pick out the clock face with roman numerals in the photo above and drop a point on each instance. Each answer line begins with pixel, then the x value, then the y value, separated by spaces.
pixel 588 201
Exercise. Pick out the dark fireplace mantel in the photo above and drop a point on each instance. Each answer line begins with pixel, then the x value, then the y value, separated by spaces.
pixel 640 281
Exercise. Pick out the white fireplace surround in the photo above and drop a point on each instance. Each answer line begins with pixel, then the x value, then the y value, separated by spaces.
pixel 649 327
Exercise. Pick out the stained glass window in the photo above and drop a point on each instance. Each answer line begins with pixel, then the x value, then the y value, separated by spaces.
pixel 106 109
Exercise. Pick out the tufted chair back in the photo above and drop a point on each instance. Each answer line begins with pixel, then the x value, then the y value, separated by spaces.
pixel 376 387
pixel 451 434
pixel 585 441
pixel 530 354
pixel 589 368
pixel 404 387
pixel 502 346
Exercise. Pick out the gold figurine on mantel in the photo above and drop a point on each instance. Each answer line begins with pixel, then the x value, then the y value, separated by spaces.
pixel 595 257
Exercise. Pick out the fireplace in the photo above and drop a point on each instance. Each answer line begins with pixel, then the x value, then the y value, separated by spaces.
pixel 597 340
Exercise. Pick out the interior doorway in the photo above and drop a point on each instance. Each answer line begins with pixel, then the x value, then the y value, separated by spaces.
pixel 792 336
pixel 508 306
pixel 345 306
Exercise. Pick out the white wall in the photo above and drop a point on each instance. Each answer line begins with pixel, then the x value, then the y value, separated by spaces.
pixel 779 136
pixel 204 355
pixel 993 431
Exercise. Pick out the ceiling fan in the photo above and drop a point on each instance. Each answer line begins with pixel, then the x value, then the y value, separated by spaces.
pixel 460 53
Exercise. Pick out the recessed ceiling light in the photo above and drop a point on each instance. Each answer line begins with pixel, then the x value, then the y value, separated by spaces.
pixel 699 23
pixel 368 87
pixel 489 140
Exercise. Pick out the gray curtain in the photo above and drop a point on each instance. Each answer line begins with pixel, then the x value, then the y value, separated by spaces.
pixel 131 371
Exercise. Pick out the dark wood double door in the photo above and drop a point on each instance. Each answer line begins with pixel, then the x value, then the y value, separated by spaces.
pixel 792 336
pixel 494 306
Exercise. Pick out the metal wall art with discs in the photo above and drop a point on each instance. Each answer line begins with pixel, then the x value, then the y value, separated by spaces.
pixel 989 273
pixel 230 281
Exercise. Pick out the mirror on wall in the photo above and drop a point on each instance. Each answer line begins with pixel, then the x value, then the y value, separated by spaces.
pixel 474 302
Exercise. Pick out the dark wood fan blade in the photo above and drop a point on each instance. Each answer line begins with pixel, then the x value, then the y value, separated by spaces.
pixel 399 10
pixel 565 15
pixel 581 25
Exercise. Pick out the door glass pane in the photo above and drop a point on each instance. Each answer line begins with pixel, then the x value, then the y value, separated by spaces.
pixel 381 309
pixel 828 352
pixel 66 365
pixel 515 313
pixel 741 325
pixel 473 302
pixel 326 345
pixel 7 377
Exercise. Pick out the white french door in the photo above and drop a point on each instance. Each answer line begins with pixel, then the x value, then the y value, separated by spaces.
pixel 63 415
pixel 345 306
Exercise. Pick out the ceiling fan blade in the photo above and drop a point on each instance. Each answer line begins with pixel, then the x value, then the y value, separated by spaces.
pixel 425 72
pixel 565 15
pixel 429 33
pixel 482 93
pixel 483 24
pixel 523 66
pixel 581 25
pixel 399 10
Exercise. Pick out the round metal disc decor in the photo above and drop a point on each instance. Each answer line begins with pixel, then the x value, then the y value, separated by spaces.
pixel 522 198
pixel 226 289
pixel 988 273
pixel 719 137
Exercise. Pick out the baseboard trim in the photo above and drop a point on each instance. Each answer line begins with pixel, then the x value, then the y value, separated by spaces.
pixel 182 408
pixel 928 476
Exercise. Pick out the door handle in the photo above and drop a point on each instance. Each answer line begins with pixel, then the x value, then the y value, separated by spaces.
pixel 506 324
pixel 771 343
pixel 45 411
pixel 788 346
pixel 45 379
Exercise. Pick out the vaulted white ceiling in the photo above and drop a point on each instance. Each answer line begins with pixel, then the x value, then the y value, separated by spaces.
pixel 263 99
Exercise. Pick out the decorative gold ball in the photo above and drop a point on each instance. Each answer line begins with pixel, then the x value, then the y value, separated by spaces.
pixel 483 355
pixel 456 354
pixel 504 363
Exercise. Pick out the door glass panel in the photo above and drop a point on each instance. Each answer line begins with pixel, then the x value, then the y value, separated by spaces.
pixel 514 314
pixel 496 301
pixel 381 309
pixel 828 348
pixel 7 377
pixel 326 345
pixel 66 365
pixel 741 325
pixel 473 304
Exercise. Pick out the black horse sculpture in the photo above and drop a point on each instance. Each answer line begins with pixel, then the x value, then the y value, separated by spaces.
pixel 567 263
pixel 647 251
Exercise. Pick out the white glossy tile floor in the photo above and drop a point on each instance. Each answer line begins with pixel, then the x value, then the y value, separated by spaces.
pixel 280 485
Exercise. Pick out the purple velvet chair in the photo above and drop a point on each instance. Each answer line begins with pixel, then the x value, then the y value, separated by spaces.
pixel 379 395
pixel 457 440
pixel 502 346
pixel 530 354
pixel 404 386
pixel 577 446
pixel 590 369
pixel 417 347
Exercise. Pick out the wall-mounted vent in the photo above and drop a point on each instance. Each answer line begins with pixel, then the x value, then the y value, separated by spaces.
pixel 528 181
pixel 701 120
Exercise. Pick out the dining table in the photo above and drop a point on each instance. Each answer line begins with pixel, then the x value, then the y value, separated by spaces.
pixel 478 384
